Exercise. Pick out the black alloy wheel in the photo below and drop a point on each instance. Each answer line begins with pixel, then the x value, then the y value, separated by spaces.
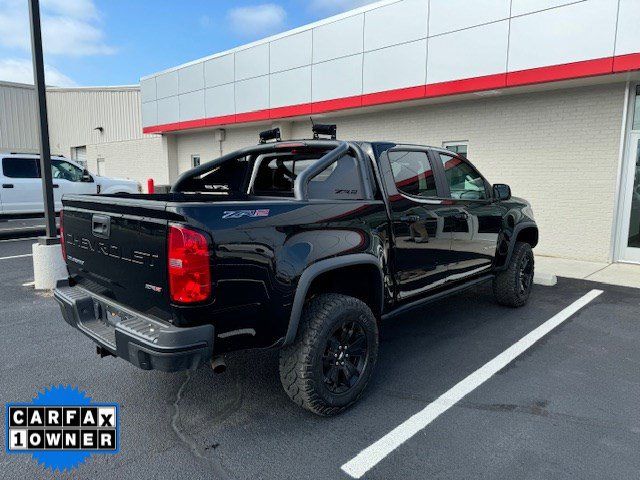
pixel 526 274
pixel 345 357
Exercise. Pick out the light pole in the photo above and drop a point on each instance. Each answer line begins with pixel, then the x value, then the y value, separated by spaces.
pixel 51 236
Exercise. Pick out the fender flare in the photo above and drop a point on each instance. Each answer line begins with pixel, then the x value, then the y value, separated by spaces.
pixel 318 268
pixel 512 241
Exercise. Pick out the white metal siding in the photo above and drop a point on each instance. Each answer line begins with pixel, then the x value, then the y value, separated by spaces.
pixel 395 67
pixel 572 33
pixel 474 52
pixel 74 115
pixel 628 35
pixel 18 118
pixel 464 40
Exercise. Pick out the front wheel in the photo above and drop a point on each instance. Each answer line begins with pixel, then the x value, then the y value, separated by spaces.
pixel 329 365
pixel 512 286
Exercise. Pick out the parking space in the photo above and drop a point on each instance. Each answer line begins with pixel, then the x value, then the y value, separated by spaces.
pixel 16 247
pixel 566 407
pixel 21 227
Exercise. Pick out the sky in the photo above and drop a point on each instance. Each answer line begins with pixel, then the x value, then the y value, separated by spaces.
pixel 115 42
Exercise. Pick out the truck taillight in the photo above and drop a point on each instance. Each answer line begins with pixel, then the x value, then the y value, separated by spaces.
pixel 188 265
pixel 64 248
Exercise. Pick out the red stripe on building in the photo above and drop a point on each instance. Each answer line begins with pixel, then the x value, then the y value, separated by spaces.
pixel 568 71
pixel 477 84
pixel 292 111
pixel 252 116
pixel 393 96
pixel 193 124
pixel 224 120
pixel 337 104
pixel 165 127
pixel 625 63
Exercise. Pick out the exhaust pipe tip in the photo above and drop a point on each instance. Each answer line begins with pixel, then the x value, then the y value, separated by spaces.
pixel 218 365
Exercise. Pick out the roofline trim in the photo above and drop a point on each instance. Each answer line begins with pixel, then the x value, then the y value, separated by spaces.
pixel 555 73
pixel 28 86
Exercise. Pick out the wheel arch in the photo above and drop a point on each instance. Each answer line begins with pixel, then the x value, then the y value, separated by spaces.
pixel 522 232
pixel 345 267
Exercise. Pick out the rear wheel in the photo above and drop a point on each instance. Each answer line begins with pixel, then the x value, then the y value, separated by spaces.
pixel 331 361
pixel 512 286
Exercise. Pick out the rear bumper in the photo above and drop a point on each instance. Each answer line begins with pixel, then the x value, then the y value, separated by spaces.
pixel 147 343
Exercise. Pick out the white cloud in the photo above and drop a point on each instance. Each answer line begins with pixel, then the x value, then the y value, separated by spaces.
pixel 69 27
pixel 72 8
pixel 258 20
pixel 21 71
pixel 334 6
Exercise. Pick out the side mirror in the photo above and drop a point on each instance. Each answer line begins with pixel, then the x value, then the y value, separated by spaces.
pixel 86 177
pixel 501 191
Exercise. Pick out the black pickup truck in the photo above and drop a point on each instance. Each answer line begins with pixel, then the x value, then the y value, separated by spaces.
pixel 298 245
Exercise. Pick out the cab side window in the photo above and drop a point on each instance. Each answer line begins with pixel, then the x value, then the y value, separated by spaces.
pixel 464 182
pixel 20 168
pixel 412 173
pixel 65 171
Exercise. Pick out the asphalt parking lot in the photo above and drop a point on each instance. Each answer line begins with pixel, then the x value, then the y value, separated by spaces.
pixel 21 227
pixel 566 408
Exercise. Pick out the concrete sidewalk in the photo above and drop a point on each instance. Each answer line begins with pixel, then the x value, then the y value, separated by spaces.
pixel 624 274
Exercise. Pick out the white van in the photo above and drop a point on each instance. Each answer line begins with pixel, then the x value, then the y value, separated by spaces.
pixel 21 186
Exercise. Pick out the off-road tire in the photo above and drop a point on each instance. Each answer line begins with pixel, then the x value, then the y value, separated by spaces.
pixel 301 364
pixel 508 285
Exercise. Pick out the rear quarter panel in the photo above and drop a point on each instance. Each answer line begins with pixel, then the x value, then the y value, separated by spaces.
pixel 261 250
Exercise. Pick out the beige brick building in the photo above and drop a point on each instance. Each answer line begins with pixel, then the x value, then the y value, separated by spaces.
pixel 560 149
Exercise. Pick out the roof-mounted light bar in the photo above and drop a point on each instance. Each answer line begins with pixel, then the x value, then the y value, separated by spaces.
pixel 273 134
pixel 324 130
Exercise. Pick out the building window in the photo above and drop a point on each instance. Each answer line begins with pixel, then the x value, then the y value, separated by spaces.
pixel 195 160
pixel 457 147
pixel 636 110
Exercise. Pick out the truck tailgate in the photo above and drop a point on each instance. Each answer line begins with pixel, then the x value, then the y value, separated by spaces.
pixel 116 247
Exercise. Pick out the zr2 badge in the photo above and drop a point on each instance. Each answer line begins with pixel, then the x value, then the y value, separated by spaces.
pixel 264 212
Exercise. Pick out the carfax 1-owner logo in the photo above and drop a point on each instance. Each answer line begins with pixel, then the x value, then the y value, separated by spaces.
pixel 62 427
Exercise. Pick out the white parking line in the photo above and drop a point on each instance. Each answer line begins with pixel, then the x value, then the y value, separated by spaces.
pixel 17 256
pixel 375 453
pixel 18 239
pixel 13 229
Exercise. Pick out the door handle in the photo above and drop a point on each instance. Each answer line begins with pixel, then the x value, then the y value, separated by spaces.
pixel 55 185
pixel 410 218
pixel 7 185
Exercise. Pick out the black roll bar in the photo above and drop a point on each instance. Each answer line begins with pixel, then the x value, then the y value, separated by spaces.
pixel 300 189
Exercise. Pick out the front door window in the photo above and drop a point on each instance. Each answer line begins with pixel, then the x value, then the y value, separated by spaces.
pixel 464 182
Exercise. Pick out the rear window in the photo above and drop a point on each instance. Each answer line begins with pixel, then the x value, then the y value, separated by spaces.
pixel 20 167
pixel 224 179
pixel 276 176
